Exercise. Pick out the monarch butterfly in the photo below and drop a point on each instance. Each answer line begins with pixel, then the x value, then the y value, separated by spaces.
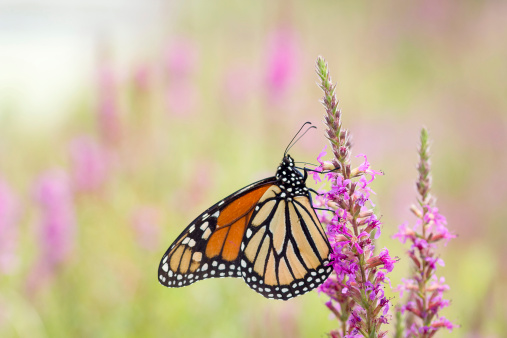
pixel 267 233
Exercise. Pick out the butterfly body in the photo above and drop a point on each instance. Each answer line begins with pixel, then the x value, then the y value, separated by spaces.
pixel 266 233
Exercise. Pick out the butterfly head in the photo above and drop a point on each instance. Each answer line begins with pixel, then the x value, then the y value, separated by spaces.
pixel 290 179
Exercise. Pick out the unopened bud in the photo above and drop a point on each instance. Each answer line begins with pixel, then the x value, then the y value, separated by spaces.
pixel 333 205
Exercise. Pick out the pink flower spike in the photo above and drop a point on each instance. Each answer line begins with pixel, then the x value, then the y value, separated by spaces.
pixel 362 300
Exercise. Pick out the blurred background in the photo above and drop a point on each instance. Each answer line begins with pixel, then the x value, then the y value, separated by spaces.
pixel 120 121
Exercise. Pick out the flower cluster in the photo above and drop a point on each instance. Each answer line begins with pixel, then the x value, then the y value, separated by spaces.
pixel 425 290
pixel 356 288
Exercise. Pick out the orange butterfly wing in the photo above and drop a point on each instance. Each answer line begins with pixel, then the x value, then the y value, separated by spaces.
pixel 210 246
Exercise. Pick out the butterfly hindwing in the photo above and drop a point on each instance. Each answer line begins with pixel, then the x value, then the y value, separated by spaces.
pixel 286 250
pixel 209 247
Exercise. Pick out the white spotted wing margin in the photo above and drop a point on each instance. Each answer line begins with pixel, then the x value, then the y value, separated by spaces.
pixel 185 261
pixel 286 251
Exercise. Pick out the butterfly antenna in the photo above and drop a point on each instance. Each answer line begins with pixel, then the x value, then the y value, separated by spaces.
pixel 315 165
pixel 292 142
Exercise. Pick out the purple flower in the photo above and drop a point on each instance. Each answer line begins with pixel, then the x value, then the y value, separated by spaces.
pixel 9 232
pixel 365 168
pixel 432 261
pixel 404 233
pixel 373 224
pixel 443 322
pixel 317 171
pixel 383 259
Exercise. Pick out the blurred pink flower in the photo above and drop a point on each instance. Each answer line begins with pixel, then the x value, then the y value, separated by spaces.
pixel 182 94
pixel 142 76
pixel 146 224
pixel 240 81
pixel 282 59
pixel 108 116
pixel 58 224
pixel 9 214
pixel 182 57
pixel 181 98
pixel 89 164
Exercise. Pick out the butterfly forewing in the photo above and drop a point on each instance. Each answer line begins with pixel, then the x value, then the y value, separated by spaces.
pixel 210 246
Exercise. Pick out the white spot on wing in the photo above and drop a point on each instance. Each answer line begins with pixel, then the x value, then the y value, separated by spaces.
pixel 206 233
pixel 204 226
pixel 165 267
